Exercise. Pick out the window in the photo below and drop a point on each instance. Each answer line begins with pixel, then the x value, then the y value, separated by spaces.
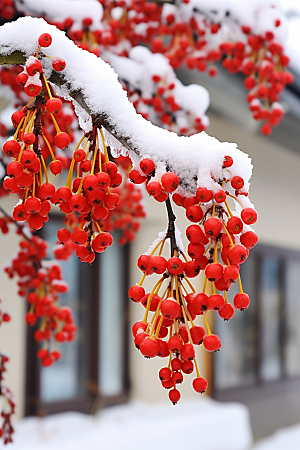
pixel 93 369
pixel 261 345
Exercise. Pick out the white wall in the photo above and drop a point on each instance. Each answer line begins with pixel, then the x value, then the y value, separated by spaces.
pixel 13 333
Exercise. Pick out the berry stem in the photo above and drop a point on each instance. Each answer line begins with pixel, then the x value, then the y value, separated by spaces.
pixel 158 328
pixel 55 123
pixel 197 369
pixel 20 154
pixel 229 237
pixel 236 199
pixel 142 280
pixel 214 288
pixel 240 285
pixel 160 281
pixel 104 146
pixel 216 252
pixel 189 283
pixel 18 128
pixel 45 168
pixel 227 206
pixel 49 147
pixel 47 86
pixel 225 297
pixel 213 210
pixel 99 229
pixel 206 324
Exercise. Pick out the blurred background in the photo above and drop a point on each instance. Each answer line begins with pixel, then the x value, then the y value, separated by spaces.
pixel 259 364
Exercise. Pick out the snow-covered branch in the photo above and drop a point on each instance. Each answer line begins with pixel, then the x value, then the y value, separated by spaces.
pixel 99 98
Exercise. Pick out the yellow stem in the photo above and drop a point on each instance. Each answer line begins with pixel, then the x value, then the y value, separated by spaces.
pixel 20 154
pixel 70 174
pixel 47 86
pixel 99 229
pixel 216 252
pixel 214 288
pixel 158 328
pixel 236 199
pixel 160 281
pixel 227 206
pixel 190 284
pixel 162 247
pixel 229 237
pixel 94 161
pixel 18 129
pixel 206 324
pixel 197 370
pixel 49 147
pixel 55 123
pixel 104 145
pixel 214 210
pixel 142 280
pixel 240 285
pixel 225 297
pixel 33 186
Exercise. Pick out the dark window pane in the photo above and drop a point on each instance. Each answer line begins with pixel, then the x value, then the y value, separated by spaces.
pixel 63 380
pixel 270 366
pixel 235 363
pixel 112 319
pixel 292 346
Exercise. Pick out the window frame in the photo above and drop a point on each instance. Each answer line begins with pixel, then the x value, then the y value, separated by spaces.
pixel 91 400
pixel 261 388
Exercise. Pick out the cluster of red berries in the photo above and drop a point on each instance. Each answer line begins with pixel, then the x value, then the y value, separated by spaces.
pixel 216 233
pixel 6 429
pixel 156 188
pixel 196 42
pixel 41 282
pixel 7 9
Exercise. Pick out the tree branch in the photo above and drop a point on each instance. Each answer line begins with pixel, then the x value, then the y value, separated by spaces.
pixel 94 86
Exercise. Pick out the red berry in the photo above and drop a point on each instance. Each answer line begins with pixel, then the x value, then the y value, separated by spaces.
pixel 62 140
pixel 187 367
pixel 194 234
pixel 212 227
pixel 187 352
pixel 165 374
pixel 228 161
pixel 249 239
pixel 197 334
pixel 136 177
pixel 214 271
pixel 175 344
pixel 200 303
pixel 143 262
pixel 46 191
pixel 204 195
pixel 241 301
pixel 32 205
pixel 147 166
pixel 56 167
pixel 174 396
pixel 216 302
pixel 170 181
pixel 194 213
pixel 45 40
pixel 32 90
pixel 11 148
pixel 157 264
pixel 212 343
pixel 200 385
pixel 63 235
pixel 176 364
pixel 136 293
pixel 54 106
pixel 237 182
pixel 177 378
pixel 220 196
pixel 154 188
pixel 235 225
pixel 34 67
pixel 226 312
pixel 138 326
pixel 170 309
pixel 237 254
pixel 58 64
pixel 249 216
pixel 175 266
pixel 231 273
pixel 149 347
pixel 15 169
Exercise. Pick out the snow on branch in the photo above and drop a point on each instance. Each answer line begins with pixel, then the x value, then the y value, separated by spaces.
pixel 99 99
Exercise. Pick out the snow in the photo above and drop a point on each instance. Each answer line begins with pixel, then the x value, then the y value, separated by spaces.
pixel 201 424
pixel 190 157
pixel 285 438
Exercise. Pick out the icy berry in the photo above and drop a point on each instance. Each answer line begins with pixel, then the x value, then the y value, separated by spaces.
pixel 58 64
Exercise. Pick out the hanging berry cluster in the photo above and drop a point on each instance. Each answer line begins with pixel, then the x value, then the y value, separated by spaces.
pixel 219 242
pixel 194 35
pixel 41 283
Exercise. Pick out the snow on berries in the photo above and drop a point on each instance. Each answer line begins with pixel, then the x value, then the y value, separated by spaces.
pixel 219 241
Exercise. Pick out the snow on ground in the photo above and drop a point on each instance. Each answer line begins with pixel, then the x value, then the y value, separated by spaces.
pixel 285 438
pixel 201 424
